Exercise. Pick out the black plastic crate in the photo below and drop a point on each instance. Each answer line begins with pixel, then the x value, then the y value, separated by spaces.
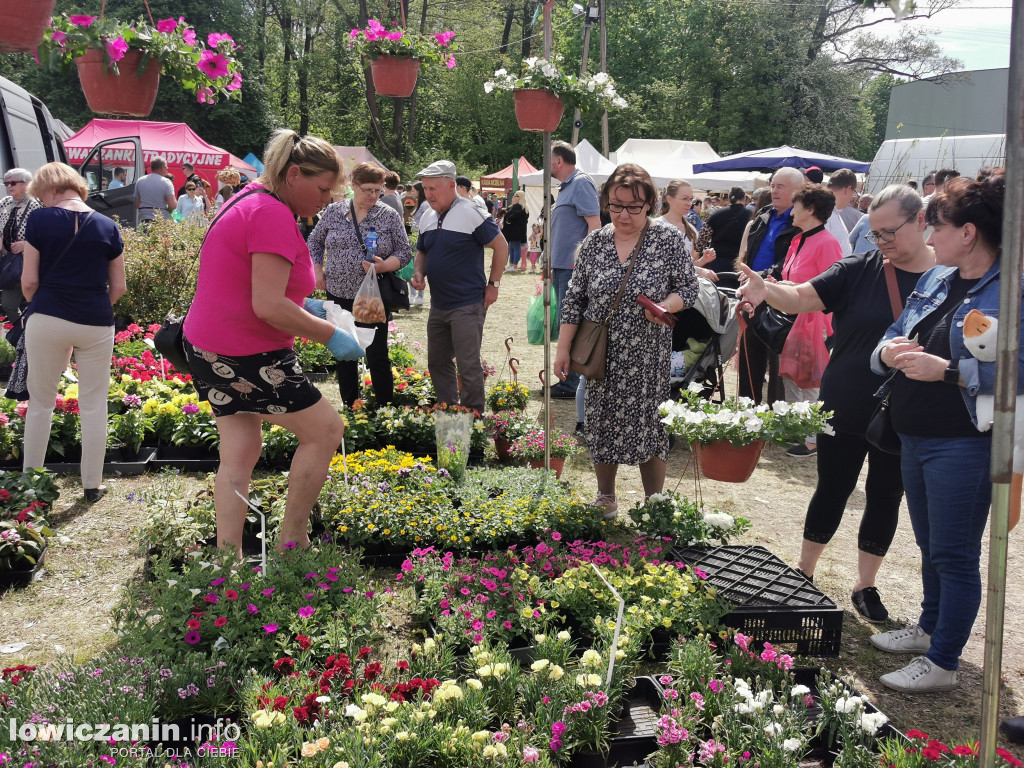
pixel 771 602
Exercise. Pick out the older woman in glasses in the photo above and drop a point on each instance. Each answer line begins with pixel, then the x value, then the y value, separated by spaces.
pixel 337 245
pixel 622 421
pixel 15 206
pixel 855 290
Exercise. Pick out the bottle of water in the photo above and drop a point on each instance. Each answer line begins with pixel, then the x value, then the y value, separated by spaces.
pixel 371 244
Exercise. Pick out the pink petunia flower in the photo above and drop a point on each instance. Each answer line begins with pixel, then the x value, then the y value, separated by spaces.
pixel 306 611
pixel 214 39
pixel 166 26
pixel 213 65
pixel 82 21
pixel 189 36
pixel 270 628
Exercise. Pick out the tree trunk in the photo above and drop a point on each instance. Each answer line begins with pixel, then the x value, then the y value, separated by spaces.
pixel 527 18
pixel 506 31
pixel 286 35
pixel 307 49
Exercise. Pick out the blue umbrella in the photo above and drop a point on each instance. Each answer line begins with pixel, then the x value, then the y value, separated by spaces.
pixel 254 161
pixel 767 160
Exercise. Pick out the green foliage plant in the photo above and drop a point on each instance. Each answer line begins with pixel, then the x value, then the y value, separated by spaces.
pixel 685 521
pixel 160 264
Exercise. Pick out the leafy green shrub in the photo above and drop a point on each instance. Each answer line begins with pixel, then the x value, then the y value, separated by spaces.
pixel 160 264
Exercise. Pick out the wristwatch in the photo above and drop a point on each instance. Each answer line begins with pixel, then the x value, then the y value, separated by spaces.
pixel 496 284
pixel 952 374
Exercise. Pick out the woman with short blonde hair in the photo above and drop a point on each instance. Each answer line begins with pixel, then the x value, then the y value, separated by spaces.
pixel 514 228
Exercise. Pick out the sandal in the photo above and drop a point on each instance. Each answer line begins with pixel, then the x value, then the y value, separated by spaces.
pixel 606 501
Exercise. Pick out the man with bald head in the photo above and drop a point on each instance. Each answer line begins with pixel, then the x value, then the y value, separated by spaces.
pixel 768 239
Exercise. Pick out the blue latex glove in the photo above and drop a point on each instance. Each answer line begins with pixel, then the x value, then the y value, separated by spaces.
pixel 315 307
pixel 344 347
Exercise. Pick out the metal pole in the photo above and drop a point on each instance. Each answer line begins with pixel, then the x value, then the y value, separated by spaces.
pixel 587 24
pixel 546 257
pixel 603 9
pixel 1007 344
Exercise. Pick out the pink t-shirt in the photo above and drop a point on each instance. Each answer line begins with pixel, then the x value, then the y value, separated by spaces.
pixel 221 318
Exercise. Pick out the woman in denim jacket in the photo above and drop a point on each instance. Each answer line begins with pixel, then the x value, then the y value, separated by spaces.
pixel 945 456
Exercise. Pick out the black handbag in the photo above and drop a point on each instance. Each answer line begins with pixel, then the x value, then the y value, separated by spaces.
pixel 10 270
pixel 880 432
pixel 170 339
pixel 394 291
pixel 771 326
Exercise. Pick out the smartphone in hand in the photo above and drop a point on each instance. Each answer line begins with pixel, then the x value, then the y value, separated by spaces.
pixel 657 310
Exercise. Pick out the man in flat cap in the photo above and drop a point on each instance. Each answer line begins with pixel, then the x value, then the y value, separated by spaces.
pixel 450 253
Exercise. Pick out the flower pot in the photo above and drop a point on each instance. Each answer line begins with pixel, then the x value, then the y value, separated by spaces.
pixel 129 94
pixel 24 24
pixel 21 577
pixel 557 465
pixel 538 110
pixel 727 462
pixel 501 447
pixel 395 75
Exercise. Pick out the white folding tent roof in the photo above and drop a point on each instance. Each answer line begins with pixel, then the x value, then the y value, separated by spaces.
pixel 900 159
pixel 670 159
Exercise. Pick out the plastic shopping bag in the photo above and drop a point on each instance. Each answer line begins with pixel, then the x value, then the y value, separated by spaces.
pixel 406 272
pixel 805 355
pixel 368 307
pixel 535 316
pixel 343 320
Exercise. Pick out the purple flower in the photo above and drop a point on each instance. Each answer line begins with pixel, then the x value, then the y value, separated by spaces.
pixel 306 611
pixel 217 582
pixel 192 637
pixel 252 609
pixel 190 409
pixel 270 628
pixel 269 591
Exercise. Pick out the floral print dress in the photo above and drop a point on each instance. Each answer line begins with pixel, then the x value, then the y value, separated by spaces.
pixel 622 421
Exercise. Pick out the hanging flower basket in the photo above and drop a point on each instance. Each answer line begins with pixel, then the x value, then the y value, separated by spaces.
pixel 538 110
pixel 395 75
pixel 129 94
pixel 727 462
pixel 24 24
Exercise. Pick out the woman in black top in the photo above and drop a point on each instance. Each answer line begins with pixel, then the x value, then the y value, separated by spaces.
pixel 722 234
pixel 514 230
pixel 855 290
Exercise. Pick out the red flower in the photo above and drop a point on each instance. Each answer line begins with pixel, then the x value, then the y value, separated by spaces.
pixel 1008 757
pixel 916 735
pixel 192 624
pixel 301 714
pixel 220 621
pixel 23 515
pixel 963 749
pixel 304 642
pixel 372 670
pixel 280 703
pixel 284 665
pixel 931 753
pixel 403 665
pixel 230 594
pixel 4 494
pixel 938 745
pixel 364 652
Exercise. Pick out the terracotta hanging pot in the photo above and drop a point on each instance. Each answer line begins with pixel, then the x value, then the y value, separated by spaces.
pixel 394 75
pixel 727 462
pixel 129 94
pixel 538 110
pixel 23 24
pixel 501 448
pixel 557 465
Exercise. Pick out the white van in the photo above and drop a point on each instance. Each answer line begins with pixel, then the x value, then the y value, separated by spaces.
pixel 899 160
pixel 29 140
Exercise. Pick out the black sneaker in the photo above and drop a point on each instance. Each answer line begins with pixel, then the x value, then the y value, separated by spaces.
pixel 869 605
pixel 562 392
pixel 579 429
pixel 802 450
pixel 809 578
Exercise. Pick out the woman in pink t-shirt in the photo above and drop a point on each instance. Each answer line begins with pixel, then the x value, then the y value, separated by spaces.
pixel 254 275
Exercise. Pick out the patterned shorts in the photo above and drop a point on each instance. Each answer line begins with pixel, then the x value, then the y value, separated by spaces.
pixel 265 383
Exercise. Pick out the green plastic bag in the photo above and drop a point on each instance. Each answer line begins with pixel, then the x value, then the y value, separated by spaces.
pixel 406 272
pixel 535 318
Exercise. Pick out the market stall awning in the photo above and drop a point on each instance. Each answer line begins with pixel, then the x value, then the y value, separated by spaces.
pixel 767 160
pixel 501 181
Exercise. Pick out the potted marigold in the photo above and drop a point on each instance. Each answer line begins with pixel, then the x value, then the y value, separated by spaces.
pixel 728 437
pixel 544 89
pixel 531 448
pixel 396 55
pixel 120 63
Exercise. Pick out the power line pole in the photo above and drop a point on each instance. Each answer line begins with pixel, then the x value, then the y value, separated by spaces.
pixel 603 11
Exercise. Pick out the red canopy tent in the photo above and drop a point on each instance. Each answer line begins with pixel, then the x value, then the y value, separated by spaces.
pixel 501 182
pixel 176 142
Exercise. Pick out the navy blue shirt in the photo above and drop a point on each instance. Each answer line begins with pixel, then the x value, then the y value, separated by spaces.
pixel 77 290
pixel 765 256
pixel 454 245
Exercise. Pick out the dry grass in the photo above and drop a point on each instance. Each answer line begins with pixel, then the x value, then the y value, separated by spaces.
pixel 97 554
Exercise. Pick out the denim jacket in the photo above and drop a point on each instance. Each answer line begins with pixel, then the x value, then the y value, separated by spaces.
pixel 931 290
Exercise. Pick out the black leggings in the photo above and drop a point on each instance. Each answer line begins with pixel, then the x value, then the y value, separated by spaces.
pixel 840 458
pixel 377 361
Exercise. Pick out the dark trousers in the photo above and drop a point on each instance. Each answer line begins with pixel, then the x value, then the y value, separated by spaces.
pixel 840 458
pixel 756 360
pixel 377 361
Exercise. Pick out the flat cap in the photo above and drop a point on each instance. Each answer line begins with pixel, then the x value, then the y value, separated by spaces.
pixel 442 169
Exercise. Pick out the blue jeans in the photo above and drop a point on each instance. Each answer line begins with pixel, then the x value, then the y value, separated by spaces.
pixel 560 278
pixel 948 493
pixel 515 251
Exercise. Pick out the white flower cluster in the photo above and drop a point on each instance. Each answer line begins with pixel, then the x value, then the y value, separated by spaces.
pixel 597 90
pixel 723 521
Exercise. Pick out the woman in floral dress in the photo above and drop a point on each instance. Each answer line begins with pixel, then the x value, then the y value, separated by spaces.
pixel 623 425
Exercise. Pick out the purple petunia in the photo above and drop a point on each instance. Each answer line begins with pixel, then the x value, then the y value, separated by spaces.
pixel 306 611
pixel 192 637
pixel 270 628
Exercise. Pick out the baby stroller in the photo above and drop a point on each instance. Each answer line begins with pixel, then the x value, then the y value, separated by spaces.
pixel 704 339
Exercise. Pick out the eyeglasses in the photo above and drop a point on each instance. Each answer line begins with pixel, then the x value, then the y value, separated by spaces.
pixel 190 189
pixel 632 210
pixel 887 235
pixel 372 191
pixel 14 183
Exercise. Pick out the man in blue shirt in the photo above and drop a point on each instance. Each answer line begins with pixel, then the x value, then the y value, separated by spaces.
pixel 450 253
pixel 768 239
pixel 575 214
pixel 693 215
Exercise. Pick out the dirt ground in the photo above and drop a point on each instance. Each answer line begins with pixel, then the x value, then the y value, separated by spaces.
pixel 95 554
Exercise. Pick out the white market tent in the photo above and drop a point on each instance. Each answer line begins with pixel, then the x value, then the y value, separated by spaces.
pixel 898 160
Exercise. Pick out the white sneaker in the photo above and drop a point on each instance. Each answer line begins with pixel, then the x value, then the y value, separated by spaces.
pixel 416 301
pixel 910 640
pixel 920 676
